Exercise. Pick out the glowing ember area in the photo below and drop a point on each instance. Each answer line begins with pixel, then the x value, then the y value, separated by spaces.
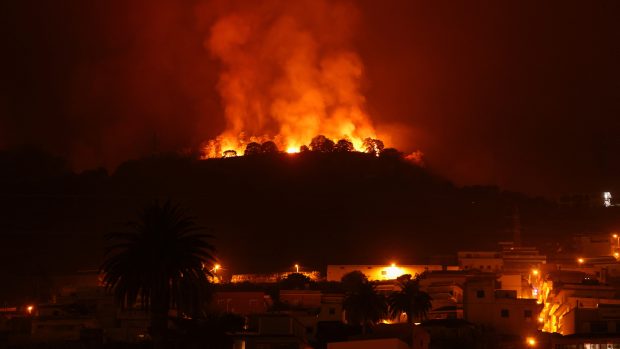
pixel 288 75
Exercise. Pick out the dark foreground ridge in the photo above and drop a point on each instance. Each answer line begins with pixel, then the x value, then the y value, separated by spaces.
pixel 269 211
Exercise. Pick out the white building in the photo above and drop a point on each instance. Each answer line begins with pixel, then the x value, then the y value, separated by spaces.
pixel 382 272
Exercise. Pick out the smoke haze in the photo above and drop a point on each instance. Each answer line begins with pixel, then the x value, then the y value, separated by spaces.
pixel 522 95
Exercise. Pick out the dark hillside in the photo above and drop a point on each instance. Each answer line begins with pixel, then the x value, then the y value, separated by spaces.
pixel 310 208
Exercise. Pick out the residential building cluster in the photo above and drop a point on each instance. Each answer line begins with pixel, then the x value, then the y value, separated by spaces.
pixel 513 297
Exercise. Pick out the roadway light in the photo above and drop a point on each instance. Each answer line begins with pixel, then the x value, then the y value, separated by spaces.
pixel 530 341
pixel 217 267
pixel 297 268
pixel 29 309
pixel 534 272
pixel 580 260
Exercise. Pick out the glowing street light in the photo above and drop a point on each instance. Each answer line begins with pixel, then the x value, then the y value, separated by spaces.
pixel 217 267
pixel 535 272
pixel 297 268
pixel 530 341
pixel 392 272
pixel 580 260
pixel 29 309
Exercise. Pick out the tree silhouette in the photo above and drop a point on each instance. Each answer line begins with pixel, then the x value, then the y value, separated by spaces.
pixel 362 304
pixel 373 146
pixel 230 154
pixel 410 300
pixel 160 263
pixel 295 281
pixel 353 281
pixel 252 148
pixel 304 149
pixel 269 147
pixel 392 153
pixel 322 144
pixel 343 146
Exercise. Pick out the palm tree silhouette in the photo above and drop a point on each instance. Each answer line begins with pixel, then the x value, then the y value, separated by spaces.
pixel 362 304
pixel 410 300
pixel 160 263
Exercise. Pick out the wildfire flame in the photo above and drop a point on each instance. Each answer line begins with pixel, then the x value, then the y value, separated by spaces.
pixel 288 74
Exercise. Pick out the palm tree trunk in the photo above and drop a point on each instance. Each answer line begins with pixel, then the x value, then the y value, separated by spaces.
pixel 159 319
pixel 159 328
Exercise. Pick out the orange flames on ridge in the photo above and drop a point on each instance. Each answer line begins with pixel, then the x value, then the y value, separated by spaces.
pixel 289 74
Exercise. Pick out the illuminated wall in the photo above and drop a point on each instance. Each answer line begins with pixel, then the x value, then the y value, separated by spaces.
pixel 380 272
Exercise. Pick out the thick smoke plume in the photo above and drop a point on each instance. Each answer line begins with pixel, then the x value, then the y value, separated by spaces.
pixel 289 73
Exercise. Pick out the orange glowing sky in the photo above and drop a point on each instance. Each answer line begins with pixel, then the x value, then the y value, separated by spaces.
pixel 523 95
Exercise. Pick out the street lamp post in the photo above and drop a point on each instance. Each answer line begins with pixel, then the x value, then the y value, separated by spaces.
pixel 297 268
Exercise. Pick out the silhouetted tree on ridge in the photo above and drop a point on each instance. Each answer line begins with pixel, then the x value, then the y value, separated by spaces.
pixel 269 147
pixel 373 146
pixel 252 148
pixel 344 145
pixel 322 144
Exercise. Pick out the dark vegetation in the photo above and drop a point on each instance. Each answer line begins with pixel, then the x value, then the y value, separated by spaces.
pixel 159 262
pixel 267 211
pixel 318 144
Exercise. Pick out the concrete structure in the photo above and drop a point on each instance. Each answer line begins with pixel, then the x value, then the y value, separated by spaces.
pixel 388 343
pixel 382 272
pixel 594 245
pixel 489 261
pixel 240 302
pixel 272 331
pixel 306 299
pixel 517 283
pixel 450 333
pixel 582 341
pixel 272 277
pixel 331 307
pixel 399 335
pixel 521 259
pixel 484 304
pixel 447 300
pixel 582 306
pixel 511 259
